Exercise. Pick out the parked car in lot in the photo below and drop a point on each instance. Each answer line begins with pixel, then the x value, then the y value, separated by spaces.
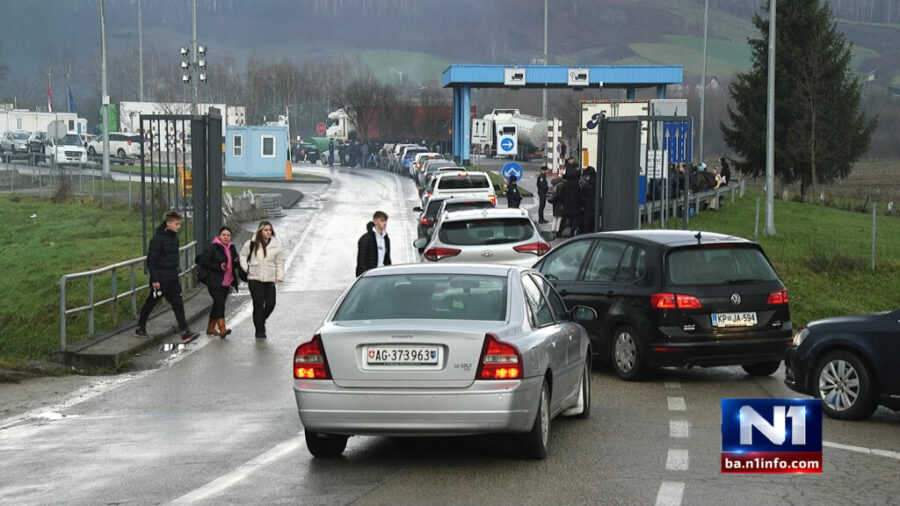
pixel 445 350
pixel 14 143
pixel 123 145
pixel 68 150
pixel 850 362
pixel 675 298
pixel 301 151
pixel 36 143
pixel 505 236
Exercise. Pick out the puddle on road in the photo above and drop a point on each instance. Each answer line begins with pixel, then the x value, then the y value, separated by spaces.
pixel 172 346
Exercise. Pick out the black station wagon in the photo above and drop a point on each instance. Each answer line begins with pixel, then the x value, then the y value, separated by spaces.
pixel 675 298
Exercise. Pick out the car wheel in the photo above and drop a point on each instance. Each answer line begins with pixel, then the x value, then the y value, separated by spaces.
pixel 121 153
pixel 92 151
pixel 325 445
pixel 582 408
pixel 533 444
pixel 627 354
pixel 761 368
pixel 845 386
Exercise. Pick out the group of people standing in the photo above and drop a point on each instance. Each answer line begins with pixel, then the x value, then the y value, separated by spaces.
pixel 572 197
pixel 352 153
pixel 221 268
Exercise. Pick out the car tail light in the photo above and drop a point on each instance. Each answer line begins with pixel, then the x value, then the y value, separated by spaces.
pixel 309 360
pixel 538 248
pixel 499 360
pixel 687 302
pixel 673 301
pixel 428 195
pixel 427 221
pixel 435 254
pixel 493 199
pixel 778 297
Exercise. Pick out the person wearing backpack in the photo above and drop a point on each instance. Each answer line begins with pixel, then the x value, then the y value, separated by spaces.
pixel 219 266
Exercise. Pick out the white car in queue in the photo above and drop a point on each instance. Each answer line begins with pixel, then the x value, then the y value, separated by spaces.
pixel 444 350
pixel 498 235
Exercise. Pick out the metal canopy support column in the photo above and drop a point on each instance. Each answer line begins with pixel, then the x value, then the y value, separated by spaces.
pixel 457 134
pixel 660 91
pixel 466 124
pixel 629 93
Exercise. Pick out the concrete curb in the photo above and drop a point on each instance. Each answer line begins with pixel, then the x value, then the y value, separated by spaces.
pixel 117 348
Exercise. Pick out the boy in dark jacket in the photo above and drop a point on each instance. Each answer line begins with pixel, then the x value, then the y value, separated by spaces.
pixel 162 265
pixel 374 247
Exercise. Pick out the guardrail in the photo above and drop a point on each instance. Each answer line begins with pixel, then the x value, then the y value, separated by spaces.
pixel 674 207
pixel 186 255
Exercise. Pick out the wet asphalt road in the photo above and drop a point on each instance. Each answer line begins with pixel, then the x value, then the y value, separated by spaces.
pixel 217 424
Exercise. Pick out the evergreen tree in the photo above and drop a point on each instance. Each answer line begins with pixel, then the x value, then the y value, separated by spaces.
pixel 820 129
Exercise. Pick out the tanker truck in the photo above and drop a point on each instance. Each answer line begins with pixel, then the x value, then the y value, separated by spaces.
pixel 529 132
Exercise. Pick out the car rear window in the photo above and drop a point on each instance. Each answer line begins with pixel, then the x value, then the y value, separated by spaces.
pixel 434 205
pixel 718 265
pixel 458 206
pixel 463 182
pixel 484 231
pixel 433 167
pixel 425 297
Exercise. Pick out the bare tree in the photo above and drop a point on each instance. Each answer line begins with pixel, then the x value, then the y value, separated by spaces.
pixel 364 99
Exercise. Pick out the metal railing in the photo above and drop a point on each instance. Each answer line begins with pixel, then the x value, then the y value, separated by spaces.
pixel 186 255
pixel 673 208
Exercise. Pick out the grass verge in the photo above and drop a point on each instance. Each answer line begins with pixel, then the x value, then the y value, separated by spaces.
pixel 822 254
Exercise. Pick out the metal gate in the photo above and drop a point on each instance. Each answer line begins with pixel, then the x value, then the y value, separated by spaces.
pixel 181 170
pixel 635 169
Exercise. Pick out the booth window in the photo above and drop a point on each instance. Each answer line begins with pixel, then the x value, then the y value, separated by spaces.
pixel 238 146
pixel 268 146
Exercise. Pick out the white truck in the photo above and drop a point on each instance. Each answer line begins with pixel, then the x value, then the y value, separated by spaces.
pixel 529 132
pixel 68 150
pixel 338 126
pixel 592 112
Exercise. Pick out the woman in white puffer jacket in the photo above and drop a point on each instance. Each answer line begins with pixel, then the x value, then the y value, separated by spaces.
pixel 263 261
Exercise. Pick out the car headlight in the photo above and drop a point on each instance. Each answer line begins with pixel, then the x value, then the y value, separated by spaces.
pixel 800 336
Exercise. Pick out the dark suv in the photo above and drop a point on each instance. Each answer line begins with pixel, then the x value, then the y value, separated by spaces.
pixel 675 298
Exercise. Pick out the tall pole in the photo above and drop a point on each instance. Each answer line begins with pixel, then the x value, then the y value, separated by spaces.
pixel 195 75
pixel 770 128
pixel 544 91
pixel 140 54
pixel 703 79
pixel 104 94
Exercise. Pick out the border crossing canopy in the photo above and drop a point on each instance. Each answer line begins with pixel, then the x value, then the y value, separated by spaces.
pixel 462 78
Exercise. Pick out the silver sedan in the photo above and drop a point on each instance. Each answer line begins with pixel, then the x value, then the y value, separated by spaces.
pixel 452 349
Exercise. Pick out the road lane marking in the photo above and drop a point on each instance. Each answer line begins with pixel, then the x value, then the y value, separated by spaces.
pixel 673 384
pixel 679 428
pixel 861 449
pixel 677 460
pixel 676 404
pixel 231 479
pixel 670 493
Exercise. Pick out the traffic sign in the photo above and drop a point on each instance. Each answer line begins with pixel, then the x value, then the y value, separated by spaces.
pixel 320 128
pixel 512 168
pixel 507 145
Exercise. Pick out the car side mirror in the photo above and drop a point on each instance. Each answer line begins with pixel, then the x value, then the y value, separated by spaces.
pixel 548 236
pixel 420 243
pixel 583 314
pixel 417 209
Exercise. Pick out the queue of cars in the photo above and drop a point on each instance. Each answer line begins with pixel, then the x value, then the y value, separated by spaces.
pixel 496 332
pixel 73 148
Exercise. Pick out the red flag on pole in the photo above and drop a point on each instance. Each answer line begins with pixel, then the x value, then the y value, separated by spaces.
pixel 49 98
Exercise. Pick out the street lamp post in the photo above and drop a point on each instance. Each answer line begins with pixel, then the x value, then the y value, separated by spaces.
pixel 770 128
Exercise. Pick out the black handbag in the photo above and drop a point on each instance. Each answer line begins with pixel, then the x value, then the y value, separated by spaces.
pixel 202 272
pixel 242 274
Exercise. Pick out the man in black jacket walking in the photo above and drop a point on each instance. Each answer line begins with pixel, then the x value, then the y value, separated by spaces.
pixel 374 247
pixel 162 265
